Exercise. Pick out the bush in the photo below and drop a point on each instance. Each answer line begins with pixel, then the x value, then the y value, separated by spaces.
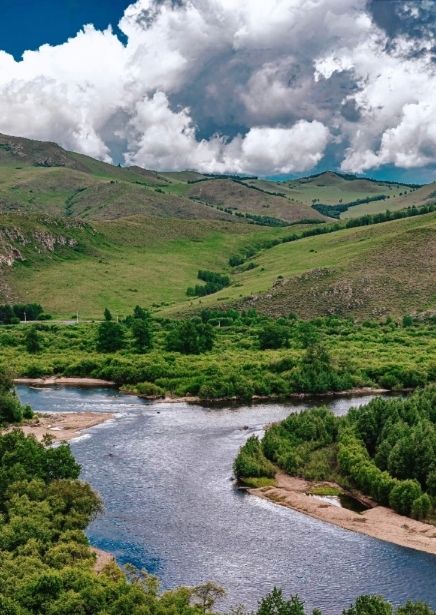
pixel 149 389
pixel 273 336
pixel 403 496
pixel 190 337
pixel 251 462
pixel 421 507
pixel 110 336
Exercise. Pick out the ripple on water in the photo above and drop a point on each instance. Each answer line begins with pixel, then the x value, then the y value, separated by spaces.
pixel 164 473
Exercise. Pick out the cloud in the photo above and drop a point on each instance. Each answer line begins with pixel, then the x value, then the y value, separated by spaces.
pixel 233 86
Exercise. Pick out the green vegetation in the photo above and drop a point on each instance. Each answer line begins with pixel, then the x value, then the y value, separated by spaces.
pixel 11 410
pixel 13 314
pixel 126 253
pixel 214 283
pixel 335 211
pixel 386 449
pixel 218 354
pixel 47 565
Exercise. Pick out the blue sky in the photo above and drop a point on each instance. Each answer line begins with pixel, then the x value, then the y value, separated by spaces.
pixel 267 87
pixel 28 24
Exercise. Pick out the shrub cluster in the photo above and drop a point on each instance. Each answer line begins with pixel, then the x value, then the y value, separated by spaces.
pixel 13 314
pixel 214 283
pixel 387 449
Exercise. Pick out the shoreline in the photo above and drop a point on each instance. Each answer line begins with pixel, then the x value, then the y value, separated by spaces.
pixel 60 426
pixel 378 522
pixel 356 392
pixel 48 381
pixel 102 558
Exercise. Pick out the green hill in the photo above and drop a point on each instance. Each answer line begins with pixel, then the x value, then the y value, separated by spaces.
pixel 41 177
pixel 369 271
pixel 80 234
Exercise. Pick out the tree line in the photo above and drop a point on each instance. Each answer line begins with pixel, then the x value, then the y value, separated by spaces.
pixel 323 229
pixel 214 283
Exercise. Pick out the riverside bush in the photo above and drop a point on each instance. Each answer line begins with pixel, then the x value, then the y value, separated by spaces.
pixel 322 355
pixel 387 449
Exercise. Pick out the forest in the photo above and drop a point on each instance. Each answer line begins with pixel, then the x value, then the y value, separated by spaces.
pixel 387 450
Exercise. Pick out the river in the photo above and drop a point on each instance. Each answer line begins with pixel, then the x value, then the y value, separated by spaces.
pixel 164 472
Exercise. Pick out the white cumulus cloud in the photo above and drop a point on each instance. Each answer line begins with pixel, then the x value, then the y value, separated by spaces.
pixel 230 86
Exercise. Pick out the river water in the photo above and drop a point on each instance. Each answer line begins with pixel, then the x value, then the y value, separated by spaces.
pixel 164 472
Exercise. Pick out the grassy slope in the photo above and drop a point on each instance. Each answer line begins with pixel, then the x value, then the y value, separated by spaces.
pixel 136 260
pixel 423 196
pixel 228 193
pixel 367 271
pixel 41 177
pixel 330 188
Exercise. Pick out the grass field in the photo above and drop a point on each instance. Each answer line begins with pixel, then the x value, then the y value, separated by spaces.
pixel 421 196
pixel 368 271
pixel 136 260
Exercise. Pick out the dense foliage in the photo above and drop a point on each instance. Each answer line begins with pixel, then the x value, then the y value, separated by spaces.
pixel 214 283
pixel 222 354
pixel 11 409
pixel 12 314
pixel 335 211
pixel 190 337
pixel 387 449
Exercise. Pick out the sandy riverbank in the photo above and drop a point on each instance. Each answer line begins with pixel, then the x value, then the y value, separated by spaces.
pixel 378 522
pixel 65 426
pixel 63 381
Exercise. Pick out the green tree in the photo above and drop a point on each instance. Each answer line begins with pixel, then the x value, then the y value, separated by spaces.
pixel 403 495
pixel 275 604
pixel 32 341
pixel 369 605
pixel 142 334
pixel 273 335
pixel 110 336
pixel 206 595
pixel 141 313
pixel 421 507
pixel 190 337
pixel 107 315
pixel 407 320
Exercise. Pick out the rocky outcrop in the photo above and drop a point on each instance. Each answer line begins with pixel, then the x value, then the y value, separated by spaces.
pixel 46 236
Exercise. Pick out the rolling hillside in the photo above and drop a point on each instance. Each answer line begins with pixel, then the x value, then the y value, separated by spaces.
pixel 368 272
pixel 42 178
pixel 80 234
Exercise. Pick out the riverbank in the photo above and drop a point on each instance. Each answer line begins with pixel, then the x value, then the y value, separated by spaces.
pixel 49 381
pixel 379 522
pixel 191 399
pixel 102 558
pixel 62 427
